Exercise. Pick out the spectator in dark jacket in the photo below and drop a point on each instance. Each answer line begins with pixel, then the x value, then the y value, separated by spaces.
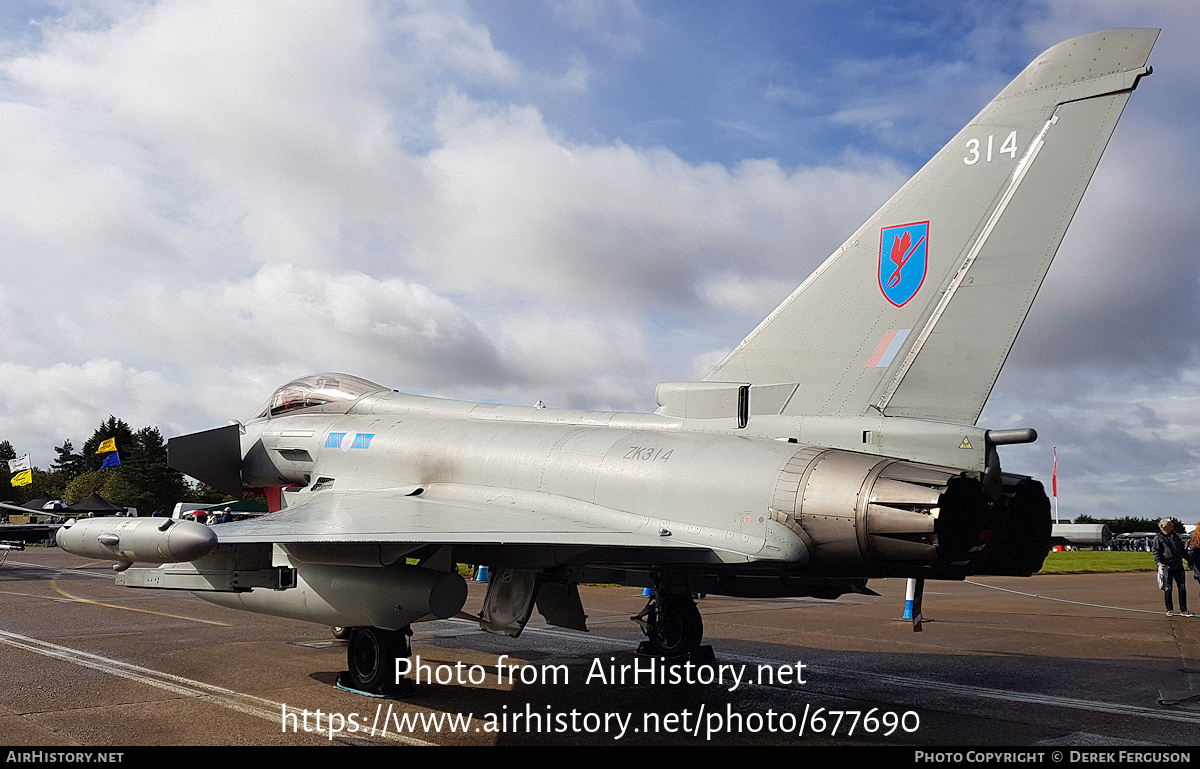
pixel 1169 553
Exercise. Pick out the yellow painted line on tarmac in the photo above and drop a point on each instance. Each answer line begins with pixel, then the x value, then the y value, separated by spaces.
pixel 54 586
pixel 29 595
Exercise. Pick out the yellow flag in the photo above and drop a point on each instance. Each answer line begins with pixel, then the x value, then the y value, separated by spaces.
pixel 23 478
pixel 108 445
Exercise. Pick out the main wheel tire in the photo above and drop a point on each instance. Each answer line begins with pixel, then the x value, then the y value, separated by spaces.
pixel 677 627
pixel 371 655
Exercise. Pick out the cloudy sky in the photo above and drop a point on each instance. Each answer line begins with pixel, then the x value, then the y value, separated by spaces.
pixel 566 200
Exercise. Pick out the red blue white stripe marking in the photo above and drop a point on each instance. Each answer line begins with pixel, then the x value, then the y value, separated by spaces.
pixel 887 348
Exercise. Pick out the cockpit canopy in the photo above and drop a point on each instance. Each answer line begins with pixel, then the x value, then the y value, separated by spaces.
pixel 317 390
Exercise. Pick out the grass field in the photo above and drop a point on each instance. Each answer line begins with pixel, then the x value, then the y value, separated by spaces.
pixel 1094 561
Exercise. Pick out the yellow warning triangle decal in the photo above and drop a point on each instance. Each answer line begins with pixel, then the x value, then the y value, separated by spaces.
pixel 966 444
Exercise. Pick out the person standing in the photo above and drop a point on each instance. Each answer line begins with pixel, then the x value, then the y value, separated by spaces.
pixel 1192 551
pixel 1169 552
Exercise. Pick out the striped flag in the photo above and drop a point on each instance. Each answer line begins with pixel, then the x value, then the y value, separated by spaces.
pixel 1054 475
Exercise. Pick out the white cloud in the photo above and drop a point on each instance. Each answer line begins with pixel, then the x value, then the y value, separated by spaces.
pixel 1124 446
pixel 439 37
pixel 752 297
pixel 43 407
pixel 302 320
pixel 617 23
pixel 517 207
pixel 574 360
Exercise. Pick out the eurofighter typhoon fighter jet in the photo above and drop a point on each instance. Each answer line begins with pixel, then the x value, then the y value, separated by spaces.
pixel 837 443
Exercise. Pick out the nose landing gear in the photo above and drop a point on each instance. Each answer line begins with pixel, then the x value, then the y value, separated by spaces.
pixel 371 661
pixel 672 623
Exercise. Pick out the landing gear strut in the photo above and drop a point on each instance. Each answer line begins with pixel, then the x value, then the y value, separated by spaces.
pixel 672 623
pixel 371 661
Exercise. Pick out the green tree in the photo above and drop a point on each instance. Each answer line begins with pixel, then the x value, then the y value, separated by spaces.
pixel 7 492
pixel 68 464
pixel 1128 525
pixel 108 483
pixel 142 480
pixel 44 485
pixel 206 494
pixel 113 428
pixel 158 486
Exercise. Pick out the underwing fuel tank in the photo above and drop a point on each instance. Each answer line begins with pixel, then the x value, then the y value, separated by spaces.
pixel 388 597
pixel 137 540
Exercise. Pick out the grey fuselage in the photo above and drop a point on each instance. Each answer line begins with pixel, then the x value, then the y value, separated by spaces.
pixel 725 496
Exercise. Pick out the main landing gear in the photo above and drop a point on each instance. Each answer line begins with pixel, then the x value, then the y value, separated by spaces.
pixel 371 661
pixel 672 623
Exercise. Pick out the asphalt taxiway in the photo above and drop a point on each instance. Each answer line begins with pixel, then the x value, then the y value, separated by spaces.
pixel 1074 660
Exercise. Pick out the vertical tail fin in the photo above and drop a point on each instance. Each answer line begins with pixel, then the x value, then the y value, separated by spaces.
pixel 915 314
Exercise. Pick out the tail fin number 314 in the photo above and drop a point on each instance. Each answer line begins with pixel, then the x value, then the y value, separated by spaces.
pixel 1009 147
